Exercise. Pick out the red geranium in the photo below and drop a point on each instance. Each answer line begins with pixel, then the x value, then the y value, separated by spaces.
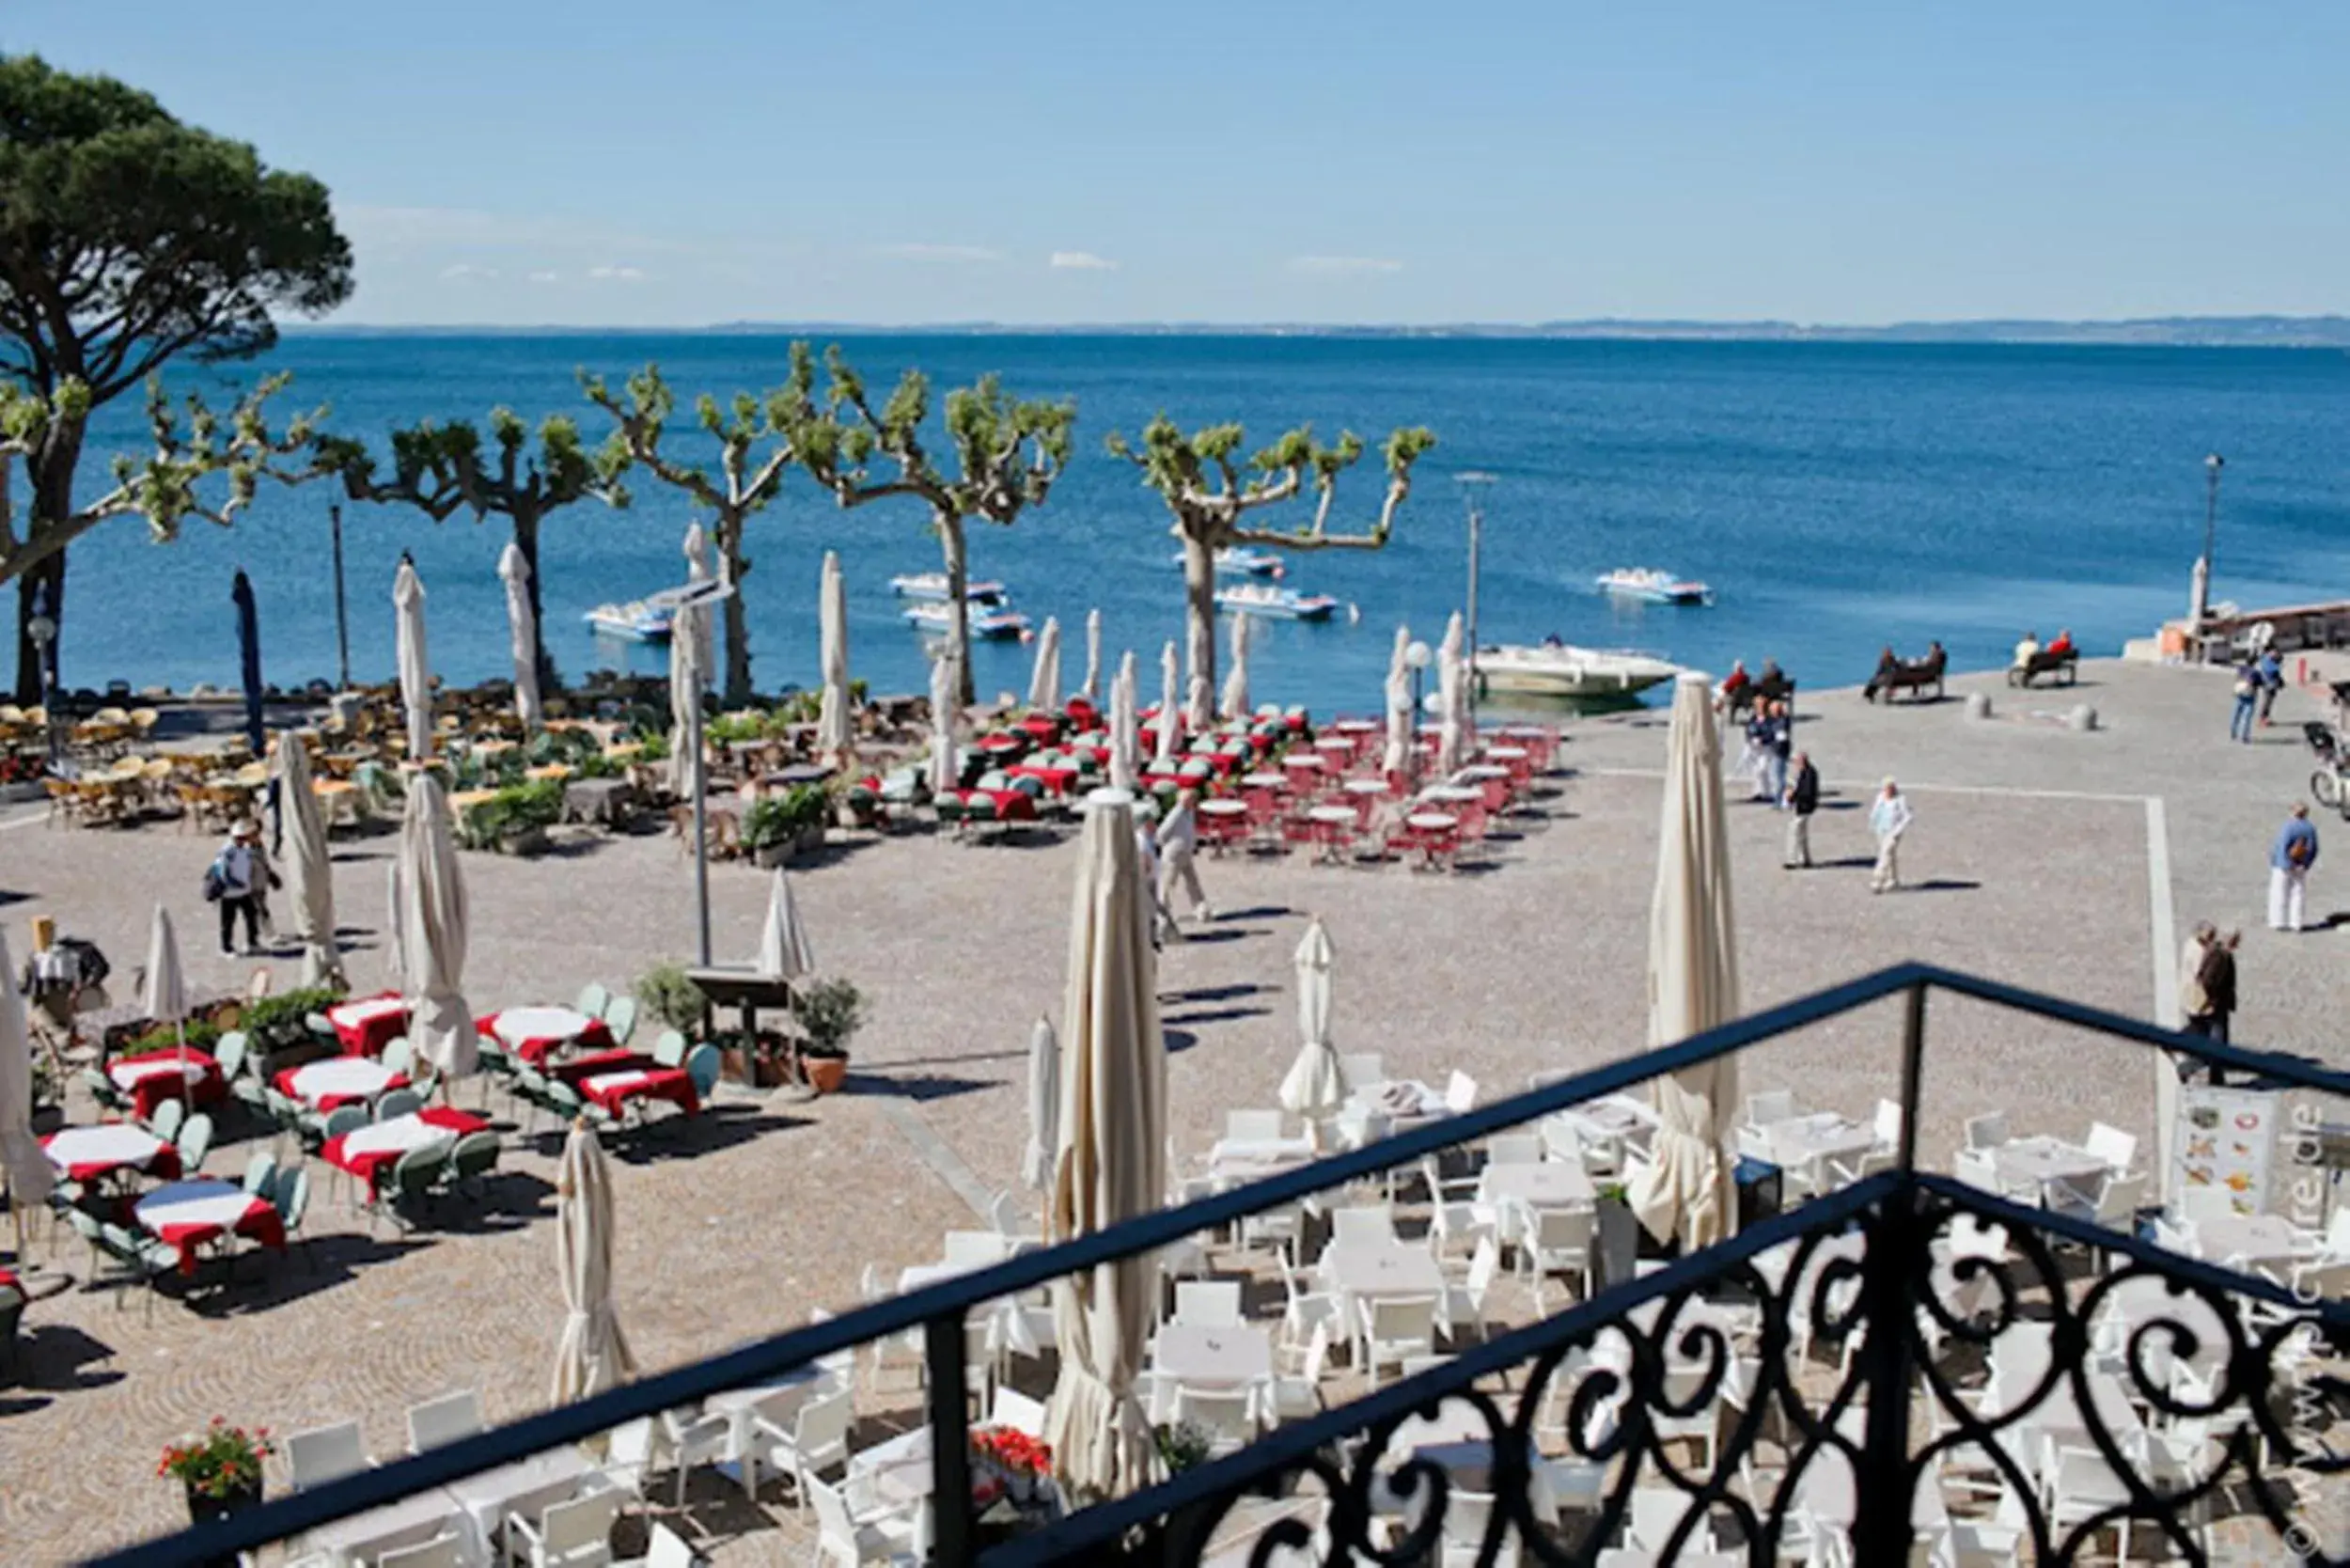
pixel 224 1459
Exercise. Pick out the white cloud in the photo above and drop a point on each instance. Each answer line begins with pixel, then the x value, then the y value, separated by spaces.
pixel 616 274
pixel 917 252
pixel 547 277
pixel 1083 261
pixel 464 271
pixel 1345 266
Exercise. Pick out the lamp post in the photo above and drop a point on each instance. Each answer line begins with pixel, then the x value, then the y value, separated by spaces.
pixel 342 612
pixel 1471 481
pixel 684 602
pixel 2212 466
pixel 43 629
pixel 1417 656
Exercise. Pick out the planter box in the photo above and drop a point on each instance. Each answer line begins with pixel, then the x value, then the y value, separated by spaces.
pixel 1618 1252
pixel 760 1071
pixel 529 841
pixel 767 857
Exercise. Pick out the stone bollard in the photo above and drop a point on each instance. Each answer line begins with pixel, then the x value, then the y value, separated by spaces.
pixel 2083 718
pixel 1977 705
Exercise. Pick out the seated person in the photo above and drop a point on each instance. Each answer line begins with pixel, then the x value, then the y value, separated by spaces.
pixel 2062 645
pixel 1935 656
pixel 1735 681
pixel 2026 649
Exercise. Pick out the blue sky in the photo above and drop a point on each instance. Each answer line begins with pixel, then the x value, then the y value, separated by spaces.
pixel 600 163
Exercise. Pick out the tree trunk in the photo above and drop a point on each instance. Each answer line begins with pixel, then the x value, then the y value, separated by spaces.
pixel 958 606
pixel 52 474
pixel 733 566
pixel 1199 615
pixel 527 541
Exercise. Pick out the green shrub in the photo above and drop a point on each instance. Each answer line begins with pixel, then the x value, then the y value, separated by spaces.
pixel 275 1021
pixel 830 1013
pixel 666 992
pixel 516 808
pixel 198 1035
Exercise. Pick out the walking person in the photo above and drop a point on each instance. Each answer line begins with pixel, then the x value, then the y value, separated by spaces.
pixel 1780 744
pixel 2218 978
pixel 2289 861
pixel 2194 1007
pixel 265 877
pixel 1889 819
pixel 1179 845
pixel 230 880
pixel 1803 798
pixel 2247 694
pixel 2270 672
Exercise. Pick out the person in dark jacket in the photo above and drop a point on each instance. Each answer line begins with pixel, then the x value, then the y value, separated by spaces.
pixel 1802 799
pixel 2217 977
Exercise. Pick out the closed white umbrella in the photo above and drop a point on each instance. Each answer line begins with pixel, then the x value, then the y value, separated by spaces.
pixel 1692 986
pixel 309 874
pixel 395 923
pixel 1236 678
pixel 163 994
pixel 1199 705
pixel 685 689
pixel 1125 729
pixel 698 619
pixel 434 930
pixel 1093 656
pixel 784 951
pixel 593 1353
pixel 1170 715
pixel 1111 1164
pixel 1314 1088
pixel 833 737
pixel 523 627
pixel 1452 698
pixel 1044 679
pixel 945 767
pixel 416 667
pixel 1036 1162
pixel 1398 757
pixel 21 1157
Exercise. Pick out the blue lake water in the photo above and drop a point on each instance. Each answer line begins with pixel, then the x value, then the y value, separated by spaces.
pixel 1838 497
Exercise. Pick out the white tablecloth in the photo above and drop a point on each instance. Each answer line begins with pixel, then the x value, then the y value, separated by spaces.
pixel 516 1025
pixel 196 1202
pixel 1203 1357
pixel 1825 1135
pixel 525 1487
pixel 2034 1160
pixel 1550 1184
pixel 397 1136
pixel 354 1077
pixel 114 1143
pixel 130 1074
pixel 361 1011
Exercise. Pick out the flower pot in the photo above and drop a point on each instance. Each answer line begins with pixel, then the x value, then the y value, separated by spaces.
pixel 767 857
pixel 1619 1243
pixel 525 842
pixel 811 839
pixel 47 1120
pixel 825 1075
pixel 203 1507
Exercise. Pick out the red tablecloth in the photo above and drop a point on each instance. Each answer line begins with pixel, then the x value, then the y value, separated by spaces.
pixel 367 1037
pixel 162 1161
pixel 1055 776
pixel 8 1282
pixel 1011 806
pixel 614 1090
pixel 998 745
pixel 368 1164
pixel 327 1103
pixel 150 1086
pixel 1041 727
pixel 595 1037
pixel 259 1222
pixel 617 1060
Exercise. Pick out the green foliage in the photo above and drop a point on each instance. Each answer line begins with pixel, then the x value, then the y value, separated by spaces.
pixel 1182 1445
pixel 656 746
pixel 829 1013
pixel 516 808
pixel 666 992
pixel 782 817
pixel 196 1034
pixel 275 1021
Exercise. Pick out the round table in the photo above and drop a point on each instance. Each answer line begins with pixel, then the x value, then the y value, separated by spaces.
pixel 1333 815
pixel 1335 744
pixel 87 1153
pixel 1432 821
pixel 517 1025
pixel 339 1079
pixel 1309 762
pixel 1357 727
pixel 1263 780
pixel 1365 787
pixel 1456 794
pixel 1223 809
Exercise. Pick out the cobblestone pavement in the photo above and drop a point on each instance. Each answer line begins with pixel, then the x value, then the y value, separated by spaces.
pixel 736 1228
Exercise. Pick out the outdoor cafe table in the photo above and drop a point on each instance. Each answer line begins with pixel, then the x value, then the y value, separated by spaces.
pixel 2267 1242
pixel 1612 1119
pixel 92 1153
pixel 1377 1269
pixel 367 1026
pixel 410 1522
pixel 1800 1140
pixel 534 1033
pixel 525 1488
pixel 2036 1161
pixel 1260 780
pixel 1451 794
pixel 1545 1184
pixel 368 1152
pixel 1335 745
pixel 1357 727
pixel 174 1072
pixel 1331 825
pixel 1224 1356
pixel 189 1215
pixel 338 1081
pixel 616 1091
pixel 1304 762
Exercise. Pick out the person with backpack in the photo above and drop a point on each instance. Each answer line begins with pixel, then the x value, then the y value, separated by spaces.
pixel 2247 689
pixel 235 880
pixel 2270 672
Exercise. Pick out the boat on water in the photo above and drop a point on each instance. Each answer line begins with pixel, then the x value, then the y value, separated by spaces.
pixel 931 586
pixel 1243 561
pixel 1280 602
pixel 1653 586
pixel 639 621
pixel 995 621
pixel 1562 669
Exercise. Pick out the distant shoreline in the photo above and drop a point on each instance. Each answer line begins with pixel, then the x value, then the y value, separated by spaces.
pixel 2166 332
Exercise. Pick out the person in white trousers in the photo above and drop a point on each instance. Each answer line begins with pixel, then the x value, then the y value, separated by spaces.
pixel 1178 840
pixel 1889 819
pixel 2289 861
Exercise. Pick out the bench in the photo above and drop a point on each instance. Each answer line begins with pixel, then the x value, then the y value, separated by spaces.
pixel 1908 676
pixel 1772 688
pixel 2064 666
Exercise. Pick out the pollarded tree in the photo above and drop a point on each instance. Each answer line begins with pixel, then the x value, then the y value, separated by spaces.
pixel 1008 453
pixel 129 239
pixel 754 452
pixel 440 468
pixel 1211 499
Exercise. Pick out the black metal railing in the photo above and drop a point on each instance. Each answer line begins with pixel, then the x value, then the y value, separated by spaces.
pixel 1639 1369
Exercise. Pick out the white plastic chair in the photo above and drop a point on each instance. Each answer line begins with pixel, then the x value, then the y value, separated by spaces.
pixel 442 1551
pixel 1554 1241
pixel 1252 1126
pixel 973 1248
pixel 1772 1104
pixel 1296 1398
pixel 1463 1305
pixel 1208 1302
pixel 1228 1416
pixel 443 1421
pixel 1366 1071
pixel 1362 1225
pixel 2112 1145
pixel 1460 1092
pixel 1888 1126
pixel 817 1441
pixel 1395 1328
pixel 665 1549
pixel 573 1534
pixel 1514 1149
pixel 1013 1409
pixel 1986 1131
pixel 326 1454
pixel 854 1540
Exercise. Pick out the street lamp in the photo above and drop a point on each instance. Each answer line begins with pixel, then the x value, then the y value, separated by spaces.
pixel 1471 481
pixel 683 603
pixel 43 629
pixel 2212 466
pixel 1417 656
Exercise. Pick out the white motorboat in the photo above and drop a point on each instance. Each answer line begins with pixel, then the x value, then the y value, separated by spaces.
pixel 1562 669
pixel 1280 602
pixel 635 621
pixel 1243 561
pixel 1653 586
pixel 931 586
pixel 992 621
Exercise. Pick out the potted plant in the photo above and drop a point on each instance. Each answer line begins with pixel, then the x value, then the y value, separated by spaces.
pixel 769 834
pixel 1008 1462
pixel 221 1468
pixel 1182 1446
pixel 762 1063
pixel 1618 1236
pixel 829 1012
pixel 665 992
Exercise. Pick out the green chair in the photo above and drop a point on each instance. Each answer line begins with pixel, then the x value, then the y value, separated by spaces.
pixel 165 1122
pixel 289 1194
pixel 619 1017
pixel 951 810
pixel 701 1066
pixel 195 1142
pixel 141 1259
pixel 11 1314
pixel 260 1174
pixel 418 1172
pixel 103 1090
pixel 399 1055
pixel 593 999
pixel 398 1102
pixel 670 1050
pixel 474 1156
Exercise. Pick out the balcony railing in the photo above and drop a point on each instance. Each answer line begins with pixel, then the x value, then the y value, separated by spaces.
pixel 1575 1426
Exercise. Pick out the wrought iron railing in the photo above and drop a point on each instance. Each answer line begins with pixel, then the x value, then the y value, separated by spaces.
pixel 1644 1367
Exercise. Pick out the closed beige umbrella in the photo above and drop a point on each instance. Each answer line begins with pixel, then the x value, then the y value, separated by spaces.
pixel 1036 1161
pixel 1126 736
pixel 163 992
pixel 1398 758
pixel 785 952
pixel 593 1353
pixel 396 961
pixel 1451 701
pixel 697 620
pixel 523 629
pixel 434 930
pixel 1093 656
pixel 1236 678
pixel 1199 705
pixel 21 1157
pixel 1111 1165
pixel 309 872
pixel 834 738
pixel 415 665
pixel 946 766
pixel 1314 1088
pixel 1044 679
pixel 685 692
pixel 1170 716
pixel 1689 1189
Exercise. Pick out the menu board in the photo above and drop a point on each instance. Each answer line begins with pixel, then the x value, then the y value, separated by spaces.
pixel 2226 1138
